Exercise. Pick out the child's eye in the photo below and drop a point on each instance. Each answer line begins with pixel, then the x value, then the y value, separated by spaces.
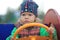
pixel 23 14
pixel 30 14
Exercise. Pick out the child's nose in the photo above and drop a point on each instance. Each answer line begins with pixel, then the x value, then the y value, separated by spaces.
pixel 26 17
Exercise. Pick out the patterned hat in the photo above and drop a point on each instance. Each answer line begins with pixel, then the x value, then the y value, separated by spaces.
pixel 29 6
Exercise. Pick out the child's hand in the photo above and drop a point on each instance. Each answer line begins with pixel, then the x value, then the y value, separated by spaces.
pixel 51 30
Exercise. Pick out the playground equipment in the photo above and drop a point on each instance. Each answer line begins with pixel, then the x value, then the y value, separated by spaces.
pixel 32 37
pixel 53 17
pixel 50 17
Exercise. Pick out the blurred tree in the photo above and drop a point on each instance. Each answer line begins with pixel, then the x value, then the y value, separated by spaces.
pixel 0 19
pixel 10 16
pixel 41 15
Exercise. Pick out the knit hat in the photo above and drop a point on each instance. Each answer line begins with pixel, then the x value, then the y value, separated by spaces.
pixel 29 6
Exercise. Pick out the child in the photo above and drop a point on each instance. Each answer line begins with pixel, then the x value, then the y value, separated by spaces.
pixel 29 15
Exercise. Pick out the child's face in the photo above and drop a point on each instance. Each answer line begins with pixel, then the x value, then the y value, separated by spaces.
pixel 27 17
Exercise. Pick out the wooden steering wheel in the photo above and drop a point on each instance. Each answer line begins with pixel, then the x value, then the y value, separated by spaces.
pixel 32 37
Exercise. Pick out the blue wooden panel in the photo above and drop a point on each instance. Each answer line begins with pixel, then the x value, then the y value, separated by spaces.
pixel 5 30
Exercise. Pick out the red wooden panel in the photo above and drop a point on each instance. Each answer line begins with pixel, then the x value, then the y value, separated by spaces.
pixel 53 17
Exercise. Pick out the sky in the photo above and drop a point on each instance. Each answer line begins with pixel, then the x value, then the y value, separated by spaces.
pixel 55 4
pixel 43 5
